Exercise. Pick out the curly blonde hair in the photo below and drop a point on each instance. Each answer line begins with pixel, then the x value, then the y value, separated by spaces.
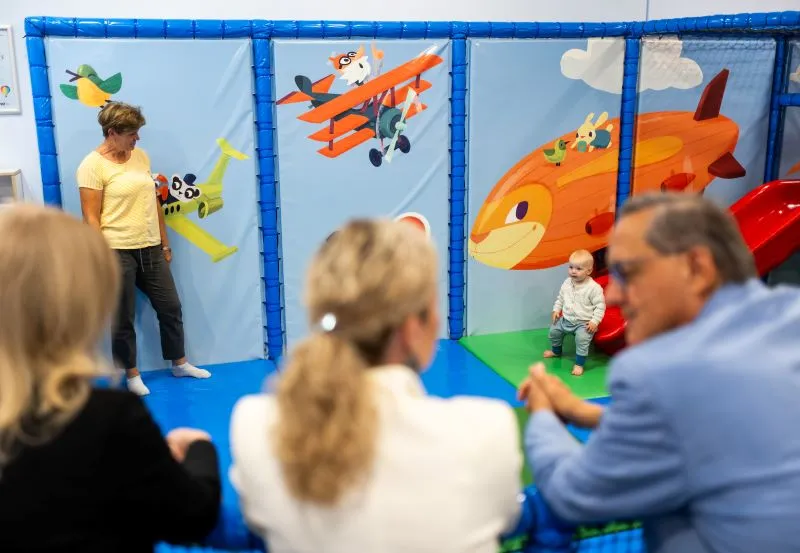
pixel 371 275
pixel 59 285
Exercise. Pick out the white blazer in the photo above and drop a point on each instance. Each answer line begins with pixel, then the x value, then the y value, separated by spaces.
pixel 446 477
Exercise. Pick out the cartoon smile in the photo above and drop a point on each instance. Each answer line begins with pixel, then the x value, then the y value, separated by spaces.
pixel 507 230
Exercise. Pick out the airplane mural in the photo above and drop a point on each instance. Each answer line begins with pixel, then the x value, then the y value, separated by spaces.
pixel 560 198
pixel 179 197
pixel 369 110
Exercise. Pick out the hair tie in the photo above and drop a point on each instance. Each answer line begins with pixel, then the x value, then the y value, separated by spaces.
pixel 328 322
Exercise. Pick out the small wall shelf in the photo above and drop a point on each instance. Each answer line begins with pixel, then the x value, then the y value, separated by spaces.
pixel 14 175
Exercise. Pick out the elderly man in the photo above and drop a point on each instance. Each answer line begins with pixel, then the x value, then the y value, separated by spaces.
pixel 700 441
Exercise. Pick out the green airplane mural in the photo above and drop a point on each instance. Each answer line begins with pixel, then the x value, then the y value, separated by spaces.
pixel 180 197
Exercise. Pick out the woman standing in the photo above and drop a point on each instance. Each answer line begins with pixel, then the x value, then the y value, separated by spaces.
pixel 118 197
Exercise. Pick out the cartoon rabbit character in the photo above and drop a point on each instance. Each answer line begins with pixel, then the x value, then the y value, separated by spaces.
pixel 590 137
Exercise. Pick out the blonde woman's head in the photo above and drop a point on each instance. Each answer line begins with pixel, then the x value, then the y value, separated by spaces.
pixel 59 283
pixel 371 295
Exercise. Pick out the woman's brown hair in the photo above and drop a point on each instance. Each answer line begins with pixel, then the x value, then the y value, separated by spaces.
pixel 364 282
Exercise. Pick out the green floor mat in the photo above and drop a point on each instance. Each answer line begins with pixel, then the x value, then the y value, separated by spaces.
pixel 509 354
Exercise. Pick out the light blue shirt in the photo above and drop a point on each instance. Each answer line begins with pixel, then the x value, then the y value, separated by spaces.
pixel 701 440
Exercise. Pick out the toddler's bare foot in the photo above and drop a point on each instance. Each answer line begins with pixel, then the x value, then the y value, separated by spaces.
pixel 549 353
pixel 577 370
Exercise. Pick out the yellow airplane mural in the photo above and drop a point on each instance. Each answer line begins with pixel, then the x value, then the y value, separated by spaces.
pixel 180 197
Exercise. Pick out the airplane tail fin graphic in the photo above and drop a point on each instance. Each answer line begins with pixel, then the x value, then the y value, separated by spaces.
pixel 306 89
pixel 229 150
pixel 711 101
pixel 323 85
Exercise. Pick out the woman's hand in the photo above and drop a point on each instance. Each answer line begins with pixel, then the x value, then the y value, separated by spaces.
pixel 167 251
pixel 180 439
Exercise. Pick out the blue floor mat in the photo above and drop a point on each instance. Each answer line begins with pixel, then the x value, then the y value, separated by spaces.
pixel 207 404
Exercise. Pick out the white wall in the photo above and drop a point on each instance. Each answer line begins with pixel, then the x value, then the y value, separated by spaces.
pixel 18 147
pixel 663 9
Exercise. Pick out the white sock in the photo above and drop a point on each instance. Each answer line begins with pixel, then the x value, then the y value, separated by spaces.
pixel 136 385
pixel 187 369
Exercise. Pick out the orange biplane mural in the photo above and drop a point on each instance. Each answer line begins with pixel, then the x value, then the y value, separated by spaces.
pixel 369 109
pixel 558 199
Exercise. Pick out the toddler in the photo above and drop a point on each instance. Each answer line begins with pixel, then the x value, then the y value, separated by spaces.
pixel 578 309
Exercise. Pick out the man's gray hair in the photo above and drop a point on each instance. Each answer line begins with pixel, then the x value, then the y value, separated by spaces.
pixel 682 221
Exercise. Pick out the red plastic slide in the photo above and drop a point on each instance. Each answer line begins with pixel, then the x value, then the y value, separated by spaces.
pixel 769 218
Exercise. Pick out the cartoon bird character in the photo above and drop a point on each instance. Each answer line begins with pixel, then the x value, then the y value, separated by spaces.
pixel 90 89
pixel 557 153
pixel 589 136
pixel 355 68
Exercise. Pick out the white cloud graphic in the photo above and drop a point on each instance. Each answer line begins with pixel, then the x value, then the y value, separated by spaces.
pixel 599 66
pixel 795 77
pixel 660 66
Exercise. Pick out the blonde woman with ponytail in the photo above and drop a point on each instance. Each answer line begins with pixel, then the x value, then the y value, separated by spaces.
pixel 349 453
pixel 82 469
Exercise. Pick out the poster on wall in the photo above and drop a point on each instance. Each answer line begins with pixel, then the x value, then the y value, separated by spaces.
pixel 362 131
pixel 9 89
pixel 196 97
pixel 543 155
pixel 703 115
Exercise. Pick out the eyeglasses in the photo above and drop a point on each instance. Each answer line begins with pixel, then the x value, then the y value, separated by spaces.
pixel 623 271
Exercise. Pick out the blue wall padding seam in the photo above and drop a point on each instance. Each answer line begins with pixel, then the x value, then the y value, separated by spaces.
pixel 43 115
pixel 458 187
pixel 627 117
pixel 788 100
pixel 149 28
pixel 775 112
pixel 268 195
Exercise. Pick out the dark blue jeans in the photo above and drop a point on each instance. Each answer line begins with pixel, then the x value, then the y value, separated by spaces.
pixel 147 270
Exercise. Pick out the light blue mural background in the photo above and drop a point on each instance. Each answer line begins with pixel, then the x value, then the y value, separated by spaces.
pixel 518 101
pixel 790 149
pixel 746 101
pixel 192 92
pixel 318 194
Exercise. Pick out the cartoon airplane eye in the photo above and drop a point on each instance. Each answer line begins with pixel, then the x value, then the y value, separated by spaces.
pixel 351 54
pixel 344 60
pixel 517 213
pixel 176 183
pixel 194 192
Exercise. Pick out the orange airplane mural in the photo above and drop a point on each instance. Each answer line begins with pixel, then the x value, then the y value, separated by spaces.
pixel 369 110
pixel 558 199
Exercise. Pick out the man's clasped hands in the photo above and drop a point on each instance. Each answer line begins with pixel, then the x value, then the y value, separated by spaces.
pixel 545 392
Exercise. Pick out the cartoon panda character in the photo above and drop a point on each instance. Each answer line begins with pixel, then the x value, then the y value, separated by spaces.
pixel 184 189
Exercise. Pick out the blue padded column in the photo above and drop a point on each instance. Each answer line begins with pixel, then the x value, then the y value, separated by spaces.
pixel 774 132
pixel 627 117
pixel 268 195
pixel 458 185
pixel 42 110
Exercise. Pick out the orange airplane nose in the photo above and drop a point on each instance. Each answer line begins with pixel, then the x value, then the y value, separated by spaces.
pixel 478 238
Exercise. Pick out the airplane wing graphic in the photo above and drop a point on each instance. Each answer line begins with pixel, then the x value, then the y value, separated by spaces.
pixel 375 87
pixel 215 249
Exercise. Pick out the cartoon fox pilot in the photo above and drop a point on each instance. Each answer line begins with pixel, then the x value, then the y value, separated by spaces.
pixel 354 67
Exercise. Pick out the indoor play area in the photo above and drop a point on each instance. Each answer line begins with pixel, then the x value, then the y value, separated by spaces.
pixel 510 144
